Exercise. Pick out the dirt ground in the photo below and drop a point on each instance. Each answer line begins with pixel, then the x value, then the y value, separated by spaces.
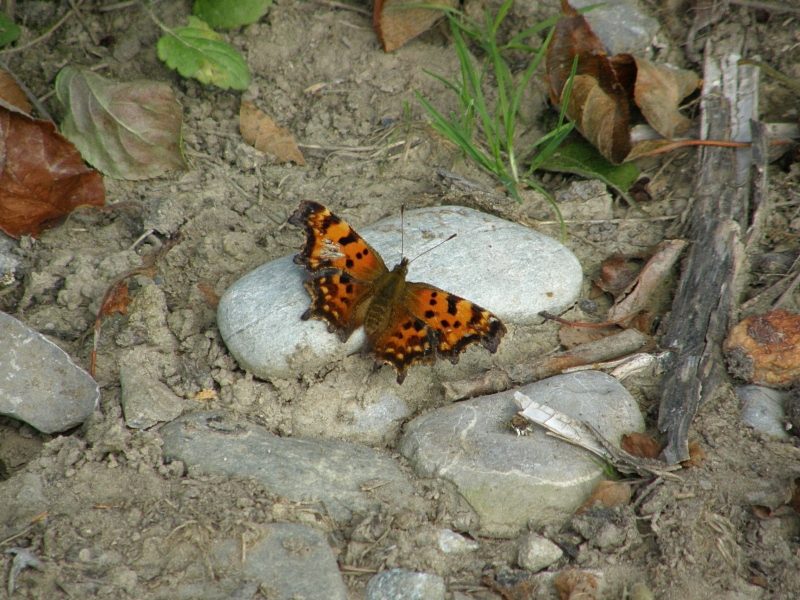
pixel 369 149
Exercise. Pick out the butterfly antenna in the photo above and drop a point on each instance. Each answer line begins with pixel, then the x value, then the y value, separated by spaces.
pixel 432 248
pixel 402 228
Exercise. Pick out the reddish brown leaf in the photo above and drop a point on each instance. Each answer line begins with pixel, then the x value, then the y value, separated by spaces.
pixel 260 131
pixel 42 176
pixel 604 89
pixel 11 93
pixel 609 494
pixel 618 273
pixel 640 445
pixel 762 512
pixel 394 24
pixel 117 301
pixel 696 456
pixel 209 294
pixel 639 191
pixel 574 584
pixel 658 266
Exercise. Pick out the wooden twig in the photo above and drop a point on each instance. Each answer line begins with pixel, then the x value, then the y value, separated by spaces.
pixel 710 286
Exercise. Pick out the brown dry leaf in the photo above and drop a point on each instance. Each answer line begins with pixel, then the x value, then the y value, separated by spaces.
pixel 604 89
pixel 659 89
pixel 658 266
pixel 696 456
pixel 619 272
pixel 260 131
pixel 640 445
pixel 117 302
pixel 394 24
pixel 11 93
pixel 609 494
pixel 42 176
pixel 762 512
pixel 574 584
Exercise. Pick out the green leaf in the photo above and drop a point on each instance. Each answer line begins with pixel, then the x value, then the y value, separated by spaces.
pixel 126 130
pixel 200 52
pixel 8 30
pixel 227 14
pixel 581 158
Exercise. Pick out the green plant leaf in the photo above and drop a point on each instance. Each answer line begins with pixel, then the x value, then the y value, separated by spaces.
pixel 126 130
pixel 9 31
pixel 227 14
pixel 581 158
pixel 200 52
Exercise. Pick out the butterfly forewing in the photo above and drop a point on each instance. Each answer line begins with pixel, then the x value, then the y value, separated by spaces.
pixel 333 244
pixel 457 322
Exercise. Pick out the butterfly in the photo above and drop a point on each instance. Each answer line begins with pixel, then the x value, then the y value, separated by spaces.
pixel 405 322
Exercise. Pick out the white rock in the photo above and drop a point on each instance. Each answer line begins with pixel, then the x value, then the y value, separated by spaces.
pixel 516 482
pixel 537 552
pixel 451 542
pixel 762 409
pixel 502 266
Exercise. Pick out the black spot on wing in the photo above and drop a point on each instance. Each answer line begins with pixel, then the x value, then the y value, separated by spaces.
pixel 452 304
pixel 350 238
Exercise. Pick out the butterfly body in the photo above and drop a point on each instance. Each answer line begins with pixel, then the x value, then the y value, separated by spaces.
pixel 405 322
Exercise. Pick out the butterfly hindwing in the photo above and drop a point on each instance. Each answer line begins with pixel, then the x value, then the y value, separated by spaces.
pixel 456 322
pixel 406 341
pixel 337 299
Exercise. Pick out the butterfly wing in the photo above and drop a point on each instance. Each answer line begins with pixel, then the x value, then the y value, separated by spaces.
pixel 342 268
pixel 406 341
pixel 456 322
pixel 333 244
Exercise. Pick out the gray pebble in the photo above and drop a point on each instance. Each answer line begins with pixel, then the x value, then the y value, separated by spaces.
pixel 39 382
pixel 399 584
pixel 326 471
pixel 516 481
pixel 762 409
pixel 451 542
pixel 537 552
pixel 504 267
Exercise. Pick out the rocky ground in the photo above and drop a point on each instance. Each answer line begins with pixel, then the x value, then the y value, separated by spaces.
pixel 288 489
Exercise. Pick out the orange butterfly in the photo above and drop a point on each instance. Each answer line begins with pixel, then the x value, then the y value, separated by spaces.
pixel 405 322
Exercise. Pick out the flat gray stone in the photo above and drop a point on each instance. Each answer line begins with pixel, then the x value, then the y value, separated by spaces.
pixel 620 25
pixel 39 382
pixel 399 584
pixel 506 268
pixel 513 482
pixel 327 471
pixel 145 399
pixel 290 560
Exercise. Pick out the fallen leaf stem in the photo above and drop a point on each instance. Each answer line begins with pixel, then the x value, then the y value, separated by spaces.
pixel 686 143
